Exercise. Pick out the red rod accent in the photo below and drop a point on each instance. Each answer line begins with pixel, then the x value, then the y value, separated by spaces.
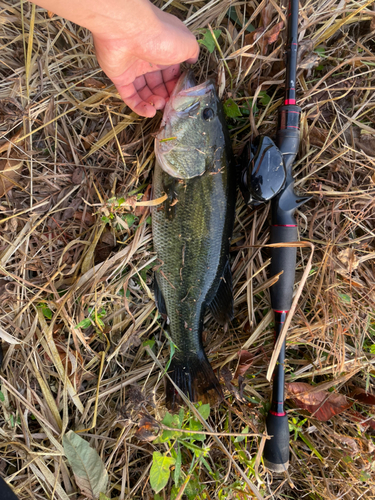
pixel 289 101
pixel 276 311
pixel 278 414
pixel 285 225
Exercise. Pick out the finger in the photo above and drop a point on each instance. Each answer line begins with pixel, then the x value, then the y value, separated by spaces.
pixel 156 84
pixel 148 95
pixel 151 97
pixel 130 96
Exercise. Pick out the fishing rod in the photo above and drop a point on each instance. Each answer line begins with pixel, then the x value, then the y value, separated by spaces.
pixel 268 176
pixel 283 259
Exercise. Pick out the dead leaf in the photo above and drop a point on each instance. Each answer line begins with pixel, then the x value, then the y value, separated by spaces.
pixel 74 364
pixel 10 172
pixel 244 363
pixel 363 397
pixel 266 14
pixel 348 257
pixel 148 429
pixel 355 416
pixel 323 405
pixel 348 442
pixel 139 210
pixel 78 175
pixel 86 217
pixel 310 61
pixel 93 83
pixel 273 34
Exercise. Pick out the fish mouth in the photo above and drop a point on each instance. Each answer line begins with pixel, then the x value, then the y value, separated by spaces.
pixel 186 94
pixel 185 82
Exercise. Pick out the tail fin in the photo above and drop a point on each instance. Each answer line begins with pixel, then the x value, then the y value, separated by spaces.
pixel 195 377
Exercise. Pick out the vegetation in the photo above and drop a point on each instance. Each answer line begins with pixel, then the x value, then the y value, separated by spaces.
pixel 84 348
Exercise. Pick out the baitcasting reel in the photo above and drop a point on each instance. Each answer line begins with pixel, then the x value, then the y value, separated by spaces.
pixel 263 172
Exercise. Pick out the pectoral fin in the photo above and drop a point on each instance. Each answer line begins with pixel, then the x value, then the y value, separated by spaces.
pixel 221 305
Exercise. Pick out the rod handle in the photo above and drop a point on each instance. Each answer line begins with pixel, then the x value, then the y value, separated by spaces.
pixel 283 259
pixel 276 449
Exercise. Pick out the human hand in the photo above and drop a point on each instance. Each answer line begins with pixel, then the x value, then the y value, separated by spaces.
pixel 138 46
pixel 145 66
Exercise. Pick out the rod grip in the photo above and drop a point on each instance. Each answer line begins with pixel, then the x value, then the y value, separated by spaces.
pixel 283 259
pixel 276 449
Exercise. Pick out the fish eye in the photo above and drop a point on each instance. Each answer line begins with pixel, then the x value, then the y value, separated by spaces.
pixel 208 114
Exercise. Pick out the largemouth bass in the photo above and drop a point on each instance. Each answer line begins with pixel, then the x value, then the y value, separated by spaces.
pixel 191 231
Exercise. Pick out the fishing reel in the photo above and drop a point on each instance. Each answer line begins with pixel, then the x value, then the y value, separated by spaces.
pixel 263 173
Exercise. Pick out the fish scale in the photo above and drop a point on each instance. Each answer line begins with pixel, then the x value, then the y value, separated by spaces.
pixel 191 233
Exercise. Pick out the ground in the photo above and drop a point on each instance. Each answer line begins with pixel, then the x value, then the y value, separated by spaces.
pixel 82 340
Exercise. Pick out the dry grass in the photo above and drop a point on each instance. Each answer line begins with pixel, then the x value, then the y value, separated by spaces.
pixel 59 259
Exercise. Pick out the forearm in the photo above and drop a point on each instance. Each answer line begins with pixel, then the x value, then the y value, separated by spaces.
pixel 106 18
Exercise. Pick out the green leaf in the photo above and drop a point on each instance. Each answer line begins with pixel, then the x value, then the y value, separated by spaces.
pixel 174 492
pixel 364 476
pixel 195 425
pixel 2 397
pixel 149 343
pixel 89 472
pixel 181 416
pixel 204 411
pixel 320 50
pixel 177 470
pixel 148 220
pixel 208 40
pixel 160 470
pixel 198 451
pixel 129 219
pixel 345 298
pixel 170 421
pixel 85 323
pixel 241 438
pixel 47 313
pixel 103 497
pixel 231 109
pixel 264 97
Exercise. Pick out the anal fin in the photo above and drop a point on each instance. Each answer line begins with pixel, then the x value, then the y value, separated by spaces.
pixel 221 305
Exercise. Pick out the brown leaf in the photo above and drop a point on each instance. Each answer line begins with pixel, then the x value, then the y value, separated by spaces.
pixel 349 259
pixel 93 83
pixel 363 397
pixel 10 172
pixel 146 197
pixel 323 405
pixel 87 217
pixel 78 175
pixel 74 366
pixel 245 361
pixel 148 429
pixel 266 15
pixel 355 416
pixel 273 34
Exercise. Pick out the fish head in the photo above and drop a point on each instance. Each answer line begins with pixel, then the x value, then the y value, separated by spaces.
pixel 191 133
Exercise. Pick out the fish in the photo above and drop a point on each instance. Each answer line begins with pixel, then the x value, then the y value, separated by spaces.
pixel 191 230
